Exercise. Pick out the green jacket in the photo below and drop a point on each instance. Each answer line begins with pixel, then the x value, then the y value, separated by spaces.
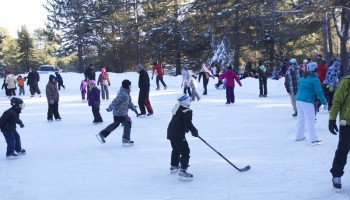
pixel 341 101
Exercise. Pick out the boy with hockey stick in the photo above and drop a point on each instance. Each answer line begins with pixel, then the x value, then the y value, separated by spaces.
pixel 179 125
pixel 8 122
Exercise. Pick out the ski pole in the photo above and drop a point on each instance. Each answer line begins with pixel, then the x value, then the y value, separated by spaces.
pixel 239 169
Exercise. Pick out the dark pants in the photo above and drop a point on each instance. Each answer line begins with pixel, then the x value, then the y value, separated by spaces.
pixel 205 84
pixel 21 90
pixel 342 151
pixel 180 153
pixel 13 141
pixel 160 78
pixel 263 86
pixel 34 88
pixel 230 95
pixel 124 120
pixel 59 84
pixel 188 89
pixel 53 111
pixel 96 113
pixel 144 102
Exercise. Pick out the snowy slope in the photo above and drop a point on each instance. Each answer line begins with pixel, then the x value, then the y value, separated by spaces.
pixel 66 161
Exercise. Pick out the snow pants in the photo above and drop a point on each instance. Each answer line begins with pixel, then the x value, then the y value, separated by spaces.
pixel 180 152
pixel 306 119
pixel 342 151
pixel 144 102
pixel 13 141
pixel 124 120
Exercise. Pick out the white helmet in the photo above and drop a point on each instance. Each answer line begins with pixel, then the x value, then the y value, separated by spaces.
pixel 311 66
pixel 293 61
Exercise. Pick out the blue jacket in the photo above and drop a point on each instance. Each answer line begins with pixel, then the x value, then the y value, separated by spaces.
pixel 308 88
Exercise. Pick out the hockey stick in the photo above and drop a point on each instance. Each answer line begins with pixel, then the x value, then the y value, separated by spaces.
pixel 239 169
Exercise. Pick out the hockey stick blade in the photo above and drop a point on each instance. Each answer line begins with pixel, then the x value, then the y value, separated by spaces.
pixel 244 169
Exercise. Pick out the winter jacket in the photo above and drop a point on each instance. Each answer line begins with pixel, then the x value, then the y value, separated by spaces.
pixel 307 88
pixel 332 77
pixel 262 72
pixel 192 82
pixel 103 79
pixel 59 78
pixel 83 85
pixel 291 79
pixel 341 101
pixel 9 119
pixel 143 80
pixel 158 69
pixel 185 77
pixel 180 123
pixel 11 81
pixel 20 81
pixel 52 91
pixel 205 73
pixel 94 97
pixel 33 78
pixel 321 71
pixel 230 77
pixel 122 103
pixel 90 73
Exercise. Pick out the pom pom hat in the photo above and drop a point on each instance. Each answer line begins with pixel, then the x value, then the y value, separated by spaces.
pixel 184 100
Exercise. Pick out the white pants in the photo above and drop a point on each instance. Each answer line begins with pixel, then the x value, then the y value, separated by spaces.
pixel 306 117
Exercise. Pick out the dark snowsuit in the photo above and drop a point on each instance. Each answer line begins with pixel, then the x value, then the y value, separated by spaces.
pixel 180 124
pixel 90 74
pixel 144 93
pixel 52 96
pixel 33 79
pixel 94 102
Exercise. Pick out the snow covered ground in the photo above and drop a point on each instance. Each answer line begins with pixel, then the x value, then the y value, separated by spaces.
pixel 64 159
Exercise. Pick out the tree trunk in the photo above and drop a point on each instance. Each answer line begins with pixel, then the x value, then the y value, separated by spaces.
pixel 236 38
pixel 325 38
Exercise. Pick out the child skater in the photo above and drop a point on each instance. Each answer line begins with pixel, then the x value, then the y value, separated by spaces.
pixel 180 124
pixel 94 102
pixel 20 82
pixel 230 77
pixel 192 82
pixel 120 106
pixel 8 122
pixel 83 86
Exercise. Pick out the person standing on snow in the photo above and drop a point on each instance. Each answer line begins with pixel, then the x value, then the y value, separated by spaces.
pixel 308 86
pixel 331 81
pixel 120 106
pixel 291 83
pixel 144 92
pixel 59 80
pixel 341 105
pixel 103 79
pixel 52 96
pixel 262 71
pixel 230 77
pixel 8 122
pixel 33 79
pixel 11 82
pixel 185 77
pixel 20 81
pixel 90 74
pixel 94 102
pixel 159 71
pixel 206 75
pixel 180 124
pixel 193 84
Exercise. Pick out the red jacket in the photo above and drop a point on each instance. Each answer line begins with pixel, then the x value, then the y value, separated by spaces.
pixel 159 70
pixel 321 71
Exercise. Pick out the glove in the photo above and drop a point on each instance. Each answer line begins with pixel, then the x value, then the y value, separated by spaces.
pixel 21 125
pixel 152 78
pixel 325 106
pixel 194 134
pixel 109 84
pixel 51 101
pixel 332 127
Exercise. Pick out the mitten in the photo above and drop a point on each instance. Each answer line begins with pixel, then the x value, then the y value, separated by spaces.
pixel 332 127
pixel 194 134
pixel 21 125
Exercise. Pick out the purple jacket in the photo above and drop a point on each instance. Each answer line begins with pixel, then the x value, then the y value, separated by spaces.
pixel 94 97
pixel 230 77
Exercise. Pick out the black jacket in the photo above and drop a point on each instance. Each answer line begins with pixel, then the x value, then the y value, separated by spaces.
pixel 9 120
pixel 180 123
pixel 90 73
pixel 33 77
pixel 144 80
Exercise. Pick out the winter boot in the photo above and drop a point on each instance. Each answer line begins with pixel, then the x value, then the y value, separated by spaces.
pixel 12 156
pixel 174 169
pixel 184 176
pixel 336 183
pixel 317 142
pixel 22 152
pixel 295 114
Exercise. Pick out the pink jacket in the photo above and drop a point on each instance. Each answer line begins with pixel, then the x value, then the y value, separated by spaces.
pixel 230 77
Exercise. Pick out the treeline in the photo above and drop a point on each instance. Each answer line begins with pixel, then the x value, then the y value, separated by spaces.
pixel 119 34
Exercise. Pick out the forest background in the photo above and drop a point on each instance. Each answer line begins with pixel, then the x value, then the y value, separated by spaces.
pixel 119 34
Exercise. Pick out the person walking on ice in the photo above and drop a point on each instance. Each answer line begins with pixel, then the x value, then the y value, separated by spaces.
pixel 120 106
pixel 180 124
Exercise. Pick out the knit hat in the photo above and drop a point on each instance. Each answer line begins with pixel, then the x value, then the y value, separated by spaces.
pixel 126 83
pixel 103 69
pixel 184 100
pixel 311 66
pixel 8 72
pixel 91 82
pixel 336 64
pixel 52 77
pixel 139 67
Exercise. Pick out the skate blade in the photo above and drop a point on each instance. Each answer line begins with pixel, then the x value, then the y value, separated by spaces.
pixel 337 190
pixel 181 178
pixel 128 145
pixel 174 171
pixel 99 139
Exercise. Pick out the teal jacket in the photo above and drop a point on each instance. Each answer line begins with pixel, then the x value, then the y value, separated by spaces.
pixel 308 88
pixel 341 101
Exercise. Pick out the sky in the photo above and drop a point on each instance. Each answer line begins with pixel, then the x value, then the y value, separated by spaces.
pixel 15 13
pixel 64 159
